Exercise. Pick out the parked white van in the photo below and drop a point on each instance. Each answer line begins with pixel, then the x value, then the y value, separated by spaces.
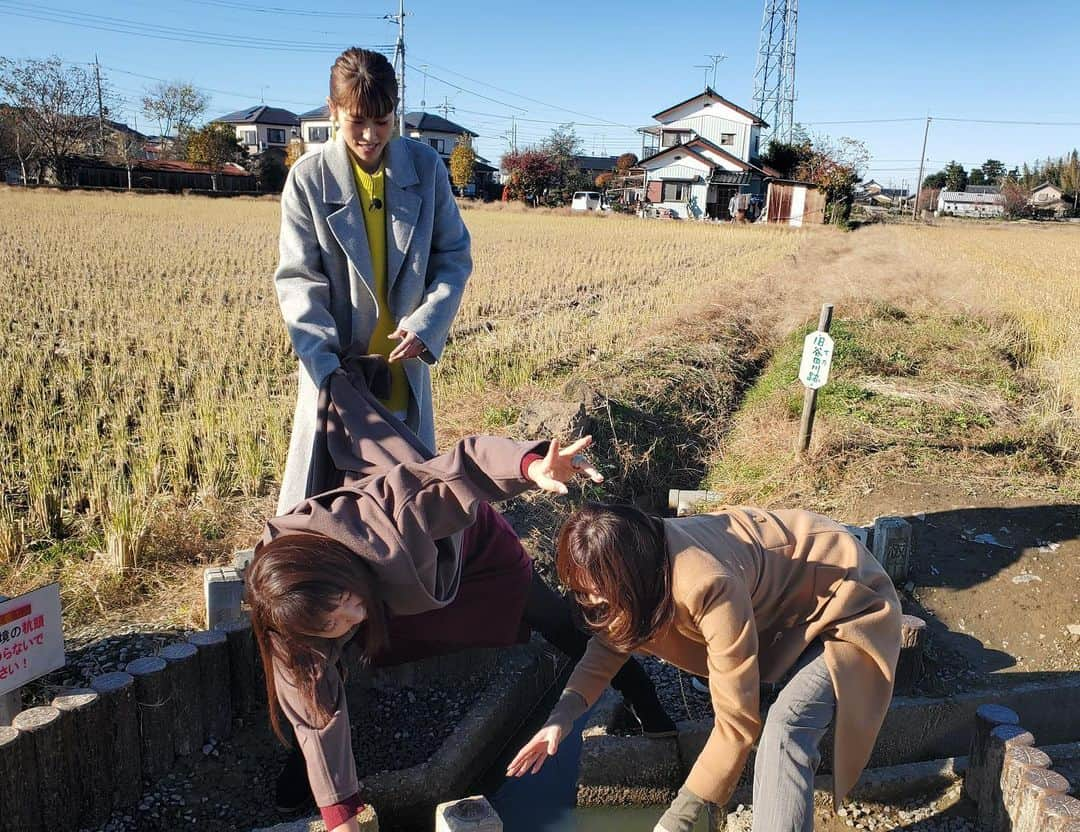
pixel 585 201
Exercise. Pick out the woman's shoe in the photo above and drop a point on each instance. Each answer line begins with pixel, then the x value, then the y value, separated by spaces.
pixel 292 791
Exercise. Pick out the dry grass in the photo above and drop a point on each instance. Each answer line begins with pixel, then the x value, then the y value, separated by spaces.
pixel 148 383
pixel 148 375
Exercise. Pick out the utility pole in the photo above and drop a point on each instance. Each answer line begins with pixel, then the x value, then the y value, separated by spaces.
pixel 100 107
pixel 399 63
pixel 513 132
pixel 922 160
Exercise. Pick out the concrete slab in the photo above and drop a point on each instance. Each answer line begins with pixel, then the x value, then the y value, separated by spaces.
pixel 922 744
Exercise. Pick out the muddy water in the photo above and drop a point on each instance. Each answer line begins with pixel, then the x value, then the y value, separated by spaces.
pixel 544 802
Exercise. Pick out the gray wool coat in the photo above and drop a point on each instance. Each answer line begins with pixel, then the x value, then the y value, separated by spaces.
pixel 326 289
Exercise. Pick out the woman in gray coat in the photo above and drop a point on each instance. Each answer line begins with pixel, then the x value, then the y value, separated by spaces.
pixel 373 255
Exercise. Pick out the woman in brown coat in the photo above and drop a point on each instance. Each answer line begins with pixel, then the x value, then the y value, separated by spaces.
pixel 740 596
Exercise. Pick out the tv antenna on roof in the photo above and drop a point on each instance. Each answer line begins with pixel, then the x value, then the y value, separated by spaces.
pixel 714 61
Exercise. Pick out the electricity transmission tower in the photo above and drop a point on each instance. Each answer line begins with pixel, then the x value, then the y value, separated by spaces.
pixel 774 77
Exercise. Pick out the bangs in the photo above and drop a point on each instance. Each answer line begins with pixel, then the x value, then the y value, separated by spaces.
pixel 305 610
pixel 361 97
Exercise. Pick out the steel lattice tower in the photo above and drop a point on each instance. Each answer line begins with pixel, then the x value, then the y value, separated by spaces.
pixel 774 77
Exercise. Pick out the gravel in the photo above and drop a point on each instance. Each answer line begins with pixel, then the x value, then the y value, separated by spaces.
pixel 939 812
pixel 94 650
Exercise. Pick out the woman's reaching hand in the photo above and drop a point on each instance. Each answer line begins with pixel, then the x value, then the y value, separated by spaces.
pixel 560 465
pixel 532 756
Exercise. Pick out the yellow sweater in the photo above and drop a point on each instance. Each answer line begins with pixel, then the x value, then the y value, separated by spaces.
pixel 371 188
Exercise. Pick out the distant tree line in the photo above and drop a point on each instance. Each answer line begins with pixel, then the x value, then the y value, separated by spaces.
pixel 53 114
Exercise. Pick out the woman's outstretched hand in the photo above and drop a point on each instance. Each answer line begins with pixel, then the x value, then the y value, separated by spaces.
pixel 530 759
pixel 560 465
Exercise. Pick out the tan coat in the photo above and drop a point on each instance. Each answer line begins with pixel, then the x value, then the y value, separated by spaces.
pixel 752 590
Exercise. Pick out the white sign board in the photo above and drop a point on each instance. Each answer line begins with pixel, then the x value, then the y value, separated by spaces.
pixel 31 637
pixel 816 359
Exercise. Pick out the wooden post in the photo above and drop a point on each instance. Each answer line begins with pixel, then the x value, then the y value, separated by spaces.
pixel 117 692
pixel 19 805
pixel 1061 813
pixel 1018 761
pixel 1035 786
pixel 214 697
pixel 183 673
pixel 809 407
pixel 155 707
pixel 892 546
pixel 978 777
pixel 1002 738
pixel 909 667
pixel 242 658
pixel 93 757
pixel 53 740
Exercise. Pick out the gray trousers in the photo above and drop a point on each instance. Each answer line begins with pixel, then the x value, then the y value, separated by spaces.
pixel 787 752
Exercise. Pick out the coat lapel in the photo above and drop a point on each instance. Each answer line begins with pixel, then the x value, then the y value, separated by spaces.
pixel 403 207
pixel 347 222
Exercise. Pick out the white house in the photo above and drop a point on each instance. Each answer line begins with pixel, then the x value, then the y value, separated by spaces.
pixel 970 204
pixel 703 152
pixel 263 128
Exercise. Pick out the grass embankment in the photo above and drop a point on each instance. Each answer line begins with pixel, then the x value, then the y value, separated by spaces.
pixel 148 386
pixel 930 394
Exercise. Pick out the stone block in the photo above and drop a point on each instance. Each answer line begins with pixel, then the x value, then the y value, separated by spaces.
pixel 223 592
pixel 472 814
pixel 892 546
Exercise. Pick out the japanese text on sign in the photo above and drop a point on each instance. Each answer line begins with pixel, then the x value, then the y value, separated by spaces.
pixel 31 637
pixel 816 359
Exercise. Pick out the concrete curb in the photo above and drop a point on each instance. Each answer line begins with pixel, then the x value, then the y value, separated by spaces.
pixel 920 747
pixel 520 678
pixel 624 771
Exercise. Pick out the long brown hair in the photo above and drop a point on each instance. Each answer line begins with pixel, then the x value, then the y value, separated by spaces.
pixel 363 82
pixel 617 553
pixel 292 585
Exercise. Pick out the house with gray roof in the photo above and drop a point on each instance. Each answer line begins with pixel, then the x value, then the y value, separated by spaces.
pixel 263 128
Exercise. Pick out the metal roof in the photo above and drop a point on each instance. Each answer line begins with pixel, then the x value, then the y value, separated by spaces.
pixel 260 114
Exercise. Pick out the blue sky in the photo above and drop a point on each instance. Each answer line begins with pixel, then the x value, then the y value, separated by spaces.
pixel 607 66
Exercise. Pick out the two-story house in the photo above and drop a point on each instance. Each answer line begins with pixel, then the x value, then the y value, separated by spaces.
pixel 442 134
pixel 263 128
pixel 1048 200
pixel 703 152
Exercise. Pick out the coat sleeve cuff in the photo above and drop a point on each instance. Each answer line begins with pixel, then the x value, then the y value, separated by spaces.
pixel 528 460
pixel 338 813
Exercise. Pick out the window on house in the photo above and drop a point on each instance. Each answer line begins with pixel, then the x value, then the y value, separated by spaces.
pixel 676 191
pixel 727 139
pixel 251 137
pixel 438 144
pixel 275 136
pixel 318 134
pixel 674 137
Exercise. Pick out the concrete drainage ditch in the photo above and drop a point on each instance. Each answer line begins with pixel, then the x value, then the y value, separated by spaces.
pixel 922 745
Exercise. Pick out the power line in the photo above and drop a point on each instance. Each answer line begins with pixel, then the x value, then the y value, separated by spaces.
pixel 170 33
pixel 276 10
pixel 459 88
pixel 233 93
pixel 522 97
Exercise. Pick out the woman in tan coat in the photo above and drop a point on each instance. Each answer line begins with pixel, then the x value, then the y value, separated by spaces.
pixel 740 596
